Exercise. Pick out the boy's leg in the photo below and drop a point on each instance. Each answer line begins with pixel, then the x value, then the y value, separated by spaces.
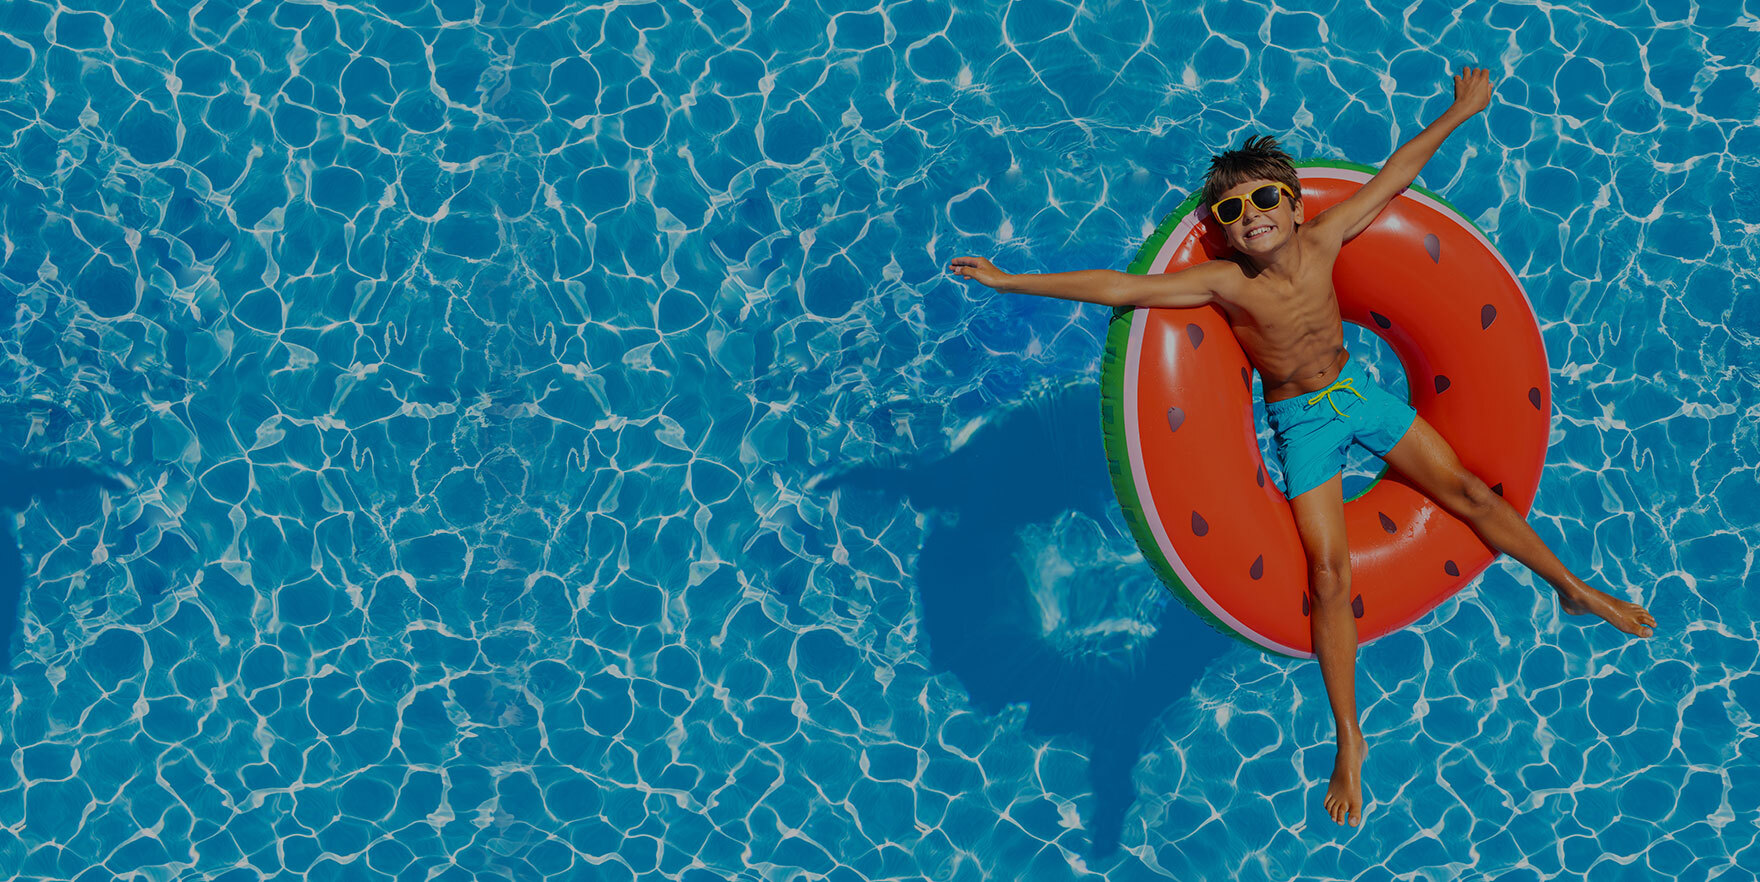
pixel 1425 458
pixel 1319 517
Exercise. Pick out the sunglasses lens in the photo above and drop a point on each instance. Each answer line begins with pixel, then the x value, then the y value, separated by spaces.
pixel 1229 211
pixel 1267 197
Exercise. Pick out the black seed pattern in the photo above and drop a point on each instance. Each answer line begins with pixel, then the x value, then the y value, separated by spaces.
pixel 1175 418
pixel 1258 567
pixel 1304 603
pixel 1261 476
pixel 1380 320
pixel 1387 523
pixel 1498 489
pixel 1487 315
pixel 1195 334
pixel 1534 396
pixel 1198 525
pixel 1442 384
pixel 1434 246
pixel 1357 606
pixel 1451 569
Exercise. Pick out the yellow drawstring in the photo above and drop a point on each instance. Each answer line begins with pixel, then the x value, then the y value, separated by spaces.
pixel 1327 394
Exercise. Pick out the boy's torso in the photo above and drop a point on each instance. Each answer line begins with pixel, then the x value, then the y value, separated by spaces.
pixel 1290 325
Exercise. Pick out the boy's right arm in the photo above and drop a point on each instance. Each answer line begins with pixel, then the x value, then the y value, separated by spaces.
pixel 1193 286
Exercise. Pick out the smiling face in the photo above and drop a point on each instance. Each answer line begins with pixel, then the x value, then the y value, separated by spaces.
pixel 1260 232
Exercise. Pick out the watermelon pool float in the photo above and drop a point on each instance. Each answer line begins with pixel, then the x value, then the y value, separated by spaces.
pixel 1177 412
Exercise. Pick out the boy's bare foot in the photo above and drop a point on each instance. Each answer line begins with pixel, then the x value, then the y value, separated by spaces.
pixel 1622 614
pixel 1344 798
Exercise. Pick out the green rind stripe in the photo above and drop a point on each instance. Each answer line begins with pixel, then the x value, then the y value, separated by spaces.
pixel 1146 253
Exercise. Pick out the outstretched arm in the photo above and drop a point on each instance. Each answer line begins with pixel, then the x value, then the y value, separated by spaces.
pixel 1193 286
pixel 1087 286
pixel 1472 93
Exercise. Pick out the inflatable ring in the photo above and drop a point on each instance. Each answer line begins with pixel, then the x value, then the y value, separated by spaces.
pixel 1177 412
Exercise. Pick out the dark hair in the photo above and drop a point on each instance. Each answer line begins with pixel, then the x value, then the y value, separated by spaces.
pixel 1258 158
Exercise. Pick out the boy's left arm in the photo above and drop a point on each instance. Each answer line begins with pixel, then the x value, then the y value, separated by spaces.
pixel 1472 93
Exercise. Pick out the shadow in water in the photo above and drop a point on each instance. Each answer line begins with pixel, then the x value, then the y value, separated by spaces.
pixel 21 482
pixel 1027 467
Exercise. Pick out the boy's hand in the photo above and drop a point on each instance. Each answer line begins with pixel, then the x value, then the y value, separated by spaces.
pixel 1472 91
pixel 978 268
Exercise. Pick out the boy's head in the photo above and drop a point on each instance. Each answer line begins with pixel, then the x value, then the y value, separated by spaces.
pixel 1256 164
pixel 1257 159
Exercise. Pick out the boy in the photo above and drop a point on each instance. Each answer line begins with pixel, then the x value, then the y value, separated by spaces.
pixel 1277 289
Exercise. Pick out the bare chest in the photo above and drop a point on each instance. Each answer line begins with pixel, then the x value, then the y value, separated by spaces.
pixel 1285 312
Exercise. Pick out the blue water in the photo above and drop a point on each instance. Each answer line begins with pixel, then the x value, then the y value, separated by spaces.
pixel 459 441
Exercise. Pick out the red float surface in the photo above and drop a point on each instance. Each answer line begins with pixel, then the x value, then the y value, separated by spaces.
pixel 1476 367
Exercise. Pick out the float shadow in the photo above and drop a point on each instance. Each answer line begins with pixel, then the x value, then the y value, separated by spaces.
pixel 1027 467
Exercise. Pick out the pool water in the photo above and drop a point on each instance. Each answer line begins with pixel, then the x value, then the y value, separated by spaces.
pixel 541 441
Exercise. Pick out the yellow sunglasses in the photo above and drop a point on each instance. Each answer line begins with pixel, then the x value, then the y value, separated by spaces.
pixel 1265 198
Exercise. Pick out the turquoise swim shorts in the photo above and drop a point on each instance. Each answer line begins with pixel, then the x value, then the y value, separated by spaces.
pixel 1313 431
